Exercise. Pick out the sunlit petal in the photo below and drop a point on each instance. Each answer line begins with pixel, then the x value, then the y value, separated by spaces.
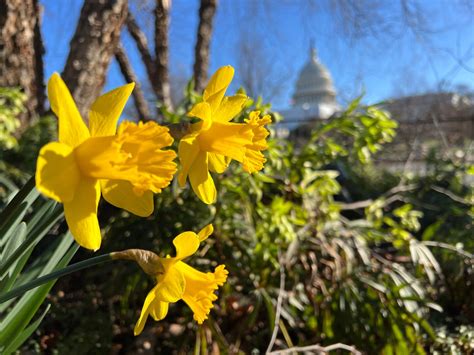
pixel 171 287
pixel 188 150
pixel 202 110
pixel 57 174
pixel 159 310
pixel 186 244
pixel 72 129
pixel 218 163
pixel 145 311
pixel 81 214
pixel 135 154
pixel 201 180
pixel 200 288
pixel 120 194
pixel 230 107
pixel 217 86
pixel 228 139
pixel 205 232
pixel 106 110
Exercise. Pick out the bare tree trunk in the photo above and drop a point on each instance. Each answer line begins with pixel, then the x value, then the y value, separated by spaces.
pixel 127 72
pixel 207 10
pixel 39 65
pixel 92 48
pixel 21 51
pixel 162 22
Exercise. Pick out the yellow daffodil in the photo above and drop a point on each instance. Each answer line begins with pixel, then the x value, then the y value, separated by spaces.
pixel 127 166
pixel 214 141
pixel 176 280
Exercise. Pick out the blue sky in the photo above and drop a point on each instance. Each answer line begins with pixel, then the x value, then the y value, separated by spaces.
pixel 389 59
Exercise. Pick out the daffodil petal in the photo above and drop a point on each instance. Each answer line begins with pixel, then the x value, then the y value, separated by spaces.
pixel 205 232
pixel 57 174
pixel 72 129
pixel 230 107
pixel 159 310
pixel 227 138
pixel 218 163
pixel 145 311
pixel 81 214
pixel 106 110
pixel 120 194
pixel 171 288
pixel 202 110
pixel 217 86
pixel 200 289
pixel 201 180
pixel 186 244
pixel 188 150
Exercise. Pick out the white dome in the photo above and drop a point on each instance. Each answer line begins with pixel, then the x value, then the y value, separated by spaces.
pixel 314 85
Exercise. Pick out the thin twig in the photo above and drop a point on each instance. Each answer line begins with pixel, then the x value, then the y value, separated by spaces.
pixel 390 196
pixel 318 349
pixel 278 306
pixel 451 195
pixel 449 247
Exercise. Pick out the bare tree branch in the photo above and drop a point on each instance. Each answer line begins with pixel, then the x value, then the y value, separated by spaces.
pixel 162 22
pixel 127 72
pixel 142 46
pixel 207 10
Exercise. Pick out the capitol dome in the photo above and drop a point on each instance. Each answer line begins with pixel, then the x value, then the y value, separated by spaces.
pixel 314 85
pixel 314 97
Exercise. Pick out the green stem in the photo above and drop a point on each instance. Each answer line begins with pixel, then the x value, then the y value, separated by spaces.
pixel 54 275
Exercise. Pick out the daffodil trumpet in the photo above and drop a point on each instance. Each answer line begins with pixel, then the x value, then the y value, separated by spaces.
pixel 126 166
pixel 177 280
pixel 214 141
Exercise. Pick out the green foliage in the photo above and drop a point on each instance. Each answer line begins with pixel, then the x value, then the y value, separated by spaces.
pixel 362 129
pixel 21 161
pixel 356 273
pixel 459 342
pixel 12 102
pixel 20 233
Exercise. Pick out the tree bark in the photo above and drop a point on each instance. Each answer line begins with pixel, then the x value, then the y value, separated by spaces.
pixel 21 51
pixel 127 72
pixel 162 22
pixel 92 48
pixel 207 10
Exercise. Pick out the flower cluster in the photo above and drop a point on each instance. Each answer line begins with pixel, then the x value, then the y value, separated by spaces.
pixel 214 141
pixel 128 164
